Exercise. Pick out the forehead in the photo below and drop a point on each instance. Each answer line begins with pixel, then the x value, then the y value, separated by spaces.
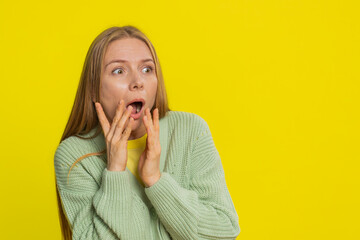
pixel 130 49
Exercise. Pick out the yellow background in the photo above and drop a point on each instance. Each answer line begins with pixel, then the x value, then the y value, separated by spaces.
pixel 277 82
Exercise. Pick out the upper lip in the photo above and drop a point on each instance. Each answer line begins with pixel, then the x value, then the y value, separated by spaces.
pixel 137 100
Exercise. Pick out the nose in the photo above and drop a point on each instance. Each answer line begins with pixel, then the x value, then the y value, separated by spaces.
pixel 137 82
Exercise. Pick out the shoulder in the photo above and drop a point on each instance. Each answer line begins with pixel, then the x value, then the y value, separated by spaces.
pixel 181 116
pixel 73 148
pixel 187 120
pixel 76 169
pixel 67 151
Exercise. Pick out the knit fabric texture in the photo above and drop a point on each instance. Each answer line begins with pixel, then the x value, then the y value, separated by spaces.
pixel 189 201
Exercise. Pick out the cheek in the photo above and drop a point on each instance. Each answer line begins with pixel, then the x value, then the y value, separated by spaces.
pixel 110 95
pixel 152 91
pixel 112 91
pixel 153 86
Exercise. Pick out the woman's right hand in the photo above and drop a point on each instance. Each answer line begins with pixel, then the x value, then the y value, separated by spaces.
pixel 115 135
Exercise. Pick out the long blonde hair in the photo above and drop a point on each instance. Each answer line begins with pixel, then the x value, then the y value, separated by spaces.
pixel 83 116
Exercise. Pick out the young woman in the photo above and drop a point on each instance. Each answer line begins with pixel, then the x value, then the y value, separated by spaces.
pixel 127 167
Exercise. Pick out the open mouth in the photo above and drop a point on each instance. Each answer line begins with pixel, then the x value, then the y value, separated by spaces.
pixel 137 106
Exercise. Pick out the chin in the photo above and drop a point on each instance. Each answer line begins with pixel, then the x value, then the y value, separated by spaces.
pixel 137 123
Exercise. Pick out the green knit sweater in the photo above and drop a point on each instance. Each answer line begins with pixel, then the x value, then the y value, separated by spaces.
pixel 189 201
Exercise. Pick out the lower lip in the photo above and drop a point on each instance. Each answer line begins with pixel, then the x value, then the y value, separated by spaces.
pixel 137 115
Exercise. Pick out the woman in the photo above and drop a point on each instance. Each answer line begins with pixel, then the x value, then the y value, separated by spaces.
pixel 127 167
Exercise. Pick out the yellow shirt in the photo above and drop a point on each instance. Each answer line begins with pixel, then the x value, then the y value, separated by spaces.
pixel 135 148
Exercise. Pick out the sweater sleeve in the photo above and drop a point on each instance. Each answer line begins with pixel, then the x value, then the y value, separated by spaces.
pixel 105 211
pixel 205 210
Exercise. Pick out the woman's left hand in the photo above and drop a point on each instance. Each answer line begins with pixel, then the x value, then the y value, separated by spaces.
pixel 149 162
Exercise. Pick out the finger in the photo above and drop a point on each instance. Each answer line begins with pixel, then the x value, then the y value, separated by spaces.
pixel 119 111
pixel 127 131
pixel 156 120
pixel 151 124
pixel 147 122
pixel 119 128
pixel 102 118
pixel 125 125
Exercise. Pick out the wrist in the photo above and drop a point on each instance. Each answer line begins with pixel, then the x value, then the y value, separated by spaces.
pixel 115 168
pixel 152 181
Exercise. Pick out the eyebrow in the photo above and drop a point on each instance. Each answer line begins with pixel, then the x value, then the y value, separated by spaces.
pixel 121 60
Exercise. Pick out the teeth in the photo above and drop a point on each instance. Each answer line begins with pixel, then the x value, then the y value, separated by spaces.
pixel 138 108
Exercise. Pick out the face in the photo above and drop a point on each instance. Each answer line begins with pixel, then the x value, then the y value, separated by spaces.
pixel 128 73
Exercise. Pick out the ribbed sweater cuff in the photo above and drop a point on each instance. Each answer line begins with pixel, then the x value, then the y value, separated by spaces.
pixel 164 192
pixel 114 183
pixel 159 190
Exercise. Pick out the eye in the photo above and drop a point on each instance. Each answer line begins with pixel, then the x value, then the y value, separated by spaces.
pixel 118 69
pixel 148 67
